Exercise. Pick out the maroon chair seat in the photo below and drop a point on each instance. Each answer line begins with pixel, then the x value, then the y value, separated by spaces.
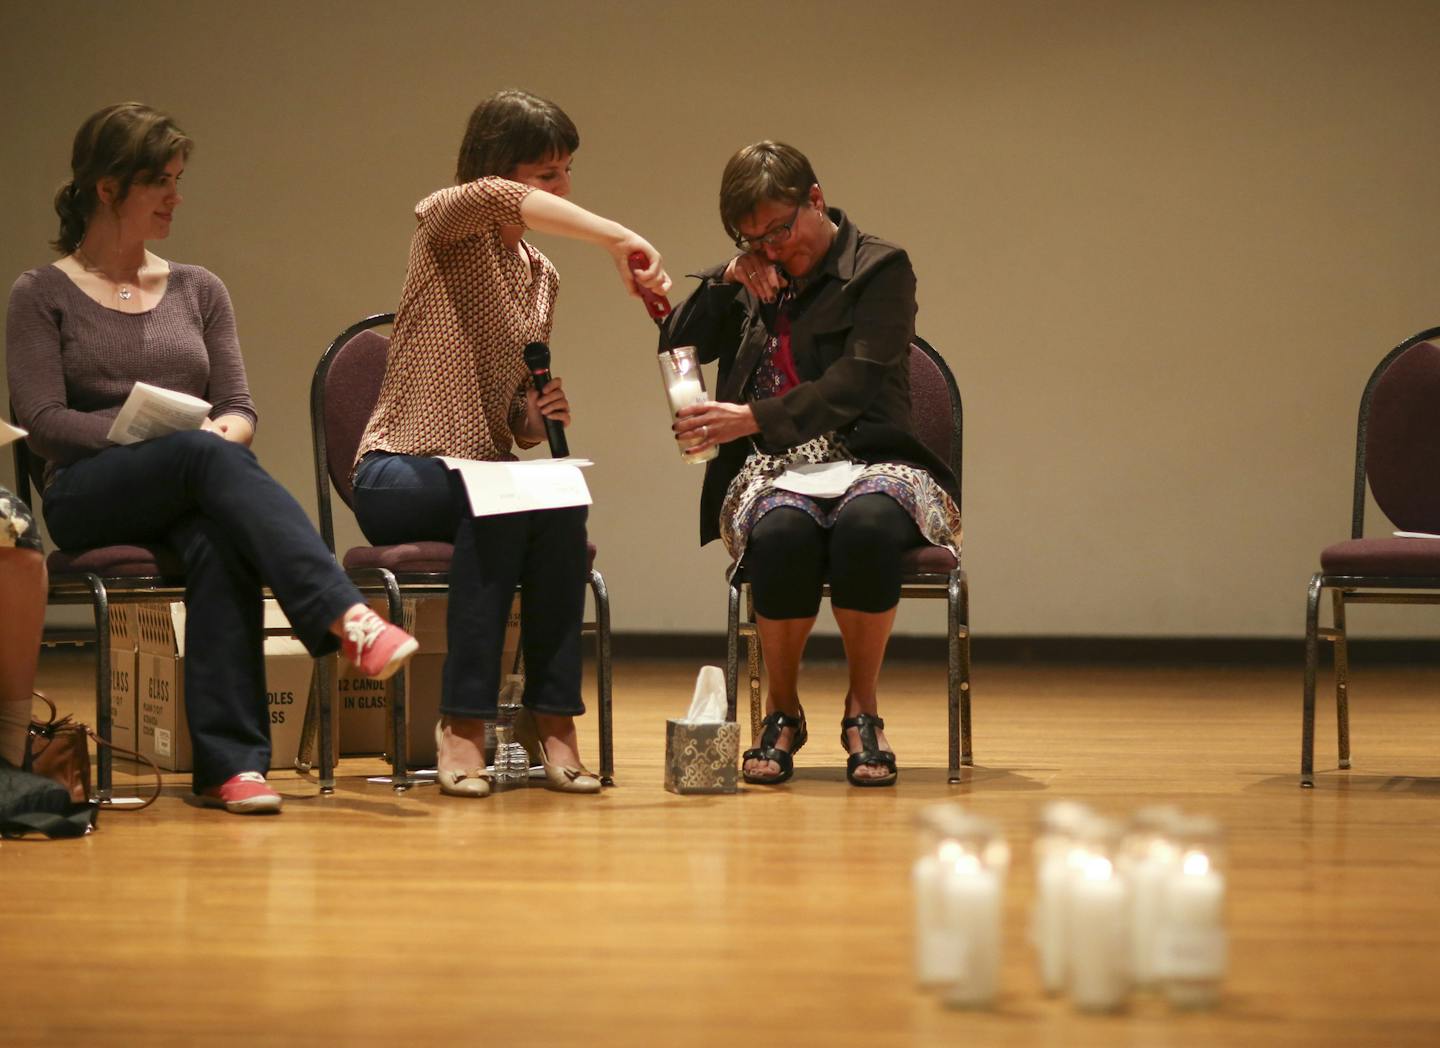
pixel 928 560
pixel 419 558
pixel 129 562
pixel 1406 558
pixel 1397 455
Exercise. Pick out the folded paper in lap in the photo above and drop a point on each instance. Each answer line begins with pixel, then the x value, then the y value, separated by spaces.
pixel 151 411
pixel 514 487
pixel 823 480
pixel 9 434
pixel 1415 535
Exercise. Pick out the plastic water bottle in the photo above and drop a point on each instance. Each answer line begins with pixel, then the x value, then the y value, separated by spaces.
pixel 512 763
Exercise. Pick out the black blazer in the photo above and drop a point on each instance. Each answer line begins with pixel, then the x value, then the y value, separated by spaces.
pixel 850 335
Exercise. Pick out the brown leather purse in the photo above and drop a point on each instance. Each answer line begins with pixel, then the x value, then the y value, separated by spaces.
pixel 59 750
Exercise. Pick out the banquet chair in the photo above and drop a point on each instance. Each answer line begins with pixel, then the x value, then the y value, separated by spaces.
pixel 1397 451
pixel 937 416
pixel 343 393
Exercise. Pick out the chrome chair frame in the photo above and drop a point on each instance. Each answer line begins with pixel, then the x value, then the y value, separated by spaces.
pixel 1352 589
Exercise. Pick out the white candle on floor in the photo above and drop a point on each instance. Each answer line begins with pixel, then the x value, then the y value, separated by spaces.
pixel 1099 968
pixel 1193 948
pixel 936 956
pixel 971 910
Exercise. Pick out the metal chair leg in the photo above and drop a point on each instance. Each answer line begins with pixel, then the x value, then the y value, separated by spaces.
pixel 1312 655
pixel 952 667
pixel 732 651
pixel 967 752
pixel 398 693
pixel 104 761
pixel 326 672
pixel 603 677
pixel 1342 677
pixel 753 656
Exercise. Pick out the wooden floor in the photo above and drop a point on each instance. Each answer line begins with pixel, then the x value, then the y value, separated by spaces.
pixel 778 916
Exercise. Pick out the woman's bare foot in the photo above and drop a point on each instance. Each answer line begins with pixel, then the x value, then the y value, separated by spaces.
pixel 758 767
pixel 462 743
pixel 853 744
pixel 868 771
pixel 562 743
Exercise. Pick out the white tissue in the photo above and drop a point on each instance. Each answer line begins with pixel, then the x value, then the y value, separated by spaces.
pixel 708 705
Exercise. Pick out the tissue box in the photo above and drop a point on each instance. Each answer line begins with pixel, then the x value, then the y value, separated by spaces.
pixel 701 758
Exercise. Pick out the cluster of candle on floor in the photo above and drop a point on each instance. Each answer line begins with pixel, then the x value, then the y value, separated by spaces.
pixel 1117 906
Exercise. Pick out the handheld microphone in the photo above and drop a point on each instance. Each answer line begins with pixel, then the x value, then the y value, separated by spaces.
pixel 537 360
pixel 658 306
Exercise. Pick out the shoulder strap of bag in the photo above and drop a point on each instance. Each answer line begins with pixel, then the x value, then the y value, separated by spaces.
pixel 100 741
pixel 154 770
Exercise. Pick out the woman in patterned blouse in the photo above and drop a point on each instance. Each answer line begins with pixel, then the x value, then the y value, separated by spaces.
pixel 456 385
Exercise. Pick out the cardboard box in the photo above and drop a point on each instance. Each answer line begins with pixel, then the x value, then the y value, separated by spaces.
pixel 123 717
pixel 701 758
pixel 164 733
pixel 288 669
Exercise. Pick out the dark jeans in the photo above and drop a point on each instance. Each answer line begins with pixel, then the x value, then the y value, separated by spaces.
pixel 237 530
pixel 407 498
pixel 788 558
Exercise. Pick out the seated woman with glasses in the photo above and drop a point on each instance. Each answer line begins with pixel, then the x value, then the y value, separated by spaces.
pixel 811 324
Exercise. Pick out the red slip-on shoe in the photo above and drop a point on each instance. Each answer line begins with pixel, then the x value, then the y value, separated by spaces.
pixel 375 647
pixel 245 794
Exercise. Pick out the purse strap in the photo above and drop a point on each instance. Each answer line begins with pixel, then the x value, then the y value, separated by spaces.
pixel 154 769
pixel 56 721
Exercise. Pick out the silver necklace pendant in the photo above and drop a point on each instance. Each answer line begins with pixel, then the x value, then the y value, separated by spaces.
pixel 125 293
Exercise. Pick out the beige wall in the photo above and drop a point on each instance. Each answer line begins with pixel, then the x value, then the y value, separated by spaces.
pixel 1162 244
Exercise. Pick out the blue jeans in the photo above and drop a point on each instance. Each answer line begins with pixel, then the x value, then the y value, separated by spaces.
pixel 408 498
pixel 237 530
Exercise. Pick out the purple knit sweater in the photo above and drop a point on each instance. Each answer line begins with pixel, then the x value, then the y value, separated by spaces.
pixel 71 362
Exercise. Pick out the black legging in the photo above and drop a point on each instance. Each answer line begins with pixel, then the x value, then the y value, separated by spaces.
pixel 789 558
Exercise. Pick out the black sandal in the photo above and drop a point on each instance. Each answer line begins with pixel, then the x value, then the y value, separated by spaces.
pixel 772 726
pixel 869 752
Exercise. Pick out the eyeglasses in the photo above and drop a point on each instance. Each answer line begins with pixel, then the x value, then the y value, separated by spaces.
pixel 770 238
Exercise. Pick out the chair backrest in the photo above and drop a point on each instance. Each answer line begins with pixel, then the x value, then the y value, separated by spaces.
pixel 29 467
pixel 342 397
pixel 936 412
pixel 1397 442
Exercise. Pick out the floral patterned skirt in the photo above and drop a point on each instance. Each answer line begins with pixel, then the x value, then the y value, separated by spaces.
pixel 17 526
pixel 752 494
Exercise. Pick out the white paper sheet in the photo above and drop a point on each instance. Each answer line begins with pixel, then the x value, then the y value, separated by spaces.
pixel 514 487
pixel 825 480
pixel 10 434
pixel 151 411
pixel 1415 535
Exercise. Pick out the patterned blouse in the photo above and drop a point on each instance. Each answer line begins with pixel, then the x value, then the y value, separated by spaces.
pixel 455 378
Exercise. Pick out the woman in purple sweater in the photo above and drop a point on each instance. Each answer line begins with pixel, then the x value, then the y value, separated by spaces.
pixel 79 334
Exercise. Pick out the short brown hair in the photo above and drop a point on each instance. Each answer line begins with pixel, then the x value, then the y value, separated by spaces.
pixel 512 128
pixel 764 171
pixel 129 142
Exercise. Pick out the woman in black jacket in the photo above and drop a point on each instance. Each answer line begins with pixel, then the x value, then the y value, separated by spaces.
pixel 811 324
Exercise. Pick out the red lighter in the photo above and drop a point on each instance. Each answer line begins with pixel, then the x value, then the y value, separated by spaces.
pixel 658 306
